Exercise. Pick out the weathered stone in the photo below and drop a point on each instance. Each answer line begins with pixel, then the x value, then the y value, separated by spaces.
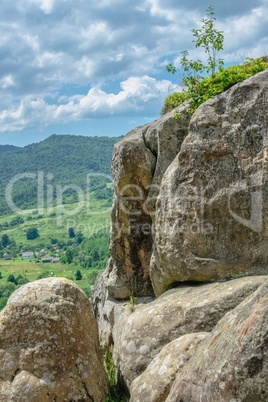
pixel 108 310
pixel 164 138
pixel 49 345
pixel 231 364
pixel 139 162
pixel 102 307
pixel 140 336
pixel 211 218
pixel 209 223
pixel 154 384
pixel 131 240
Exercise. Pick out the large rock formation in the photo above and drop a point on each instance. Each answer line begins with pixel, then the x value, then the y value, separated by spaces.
pixel 139 337
pixel 139 162
pixel 231 364
pixel 176 223
pixel 210 221
pixel 211 218
pixel 154 384
pixel 49 345
pixel 190 206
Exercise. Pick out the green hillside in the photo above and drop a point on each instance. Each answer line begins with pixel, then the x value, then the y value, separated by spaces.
pixel 49 166
pixel 6 148
pixel 62 189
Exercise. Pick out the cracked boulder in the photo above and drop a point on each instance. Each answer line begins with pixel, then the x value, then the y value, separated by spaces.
pixel 211 218
pixel 49 345
pixel 231 364
pixel 154 384
pixel 140 336
pixel 139 162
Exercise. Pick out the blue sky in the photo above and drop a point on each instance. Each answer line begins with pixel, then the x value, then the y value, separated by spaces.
pixel 98 67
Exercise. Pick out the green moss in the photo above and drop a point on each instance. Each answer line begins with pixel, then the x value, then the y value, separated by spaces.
pixel 211 86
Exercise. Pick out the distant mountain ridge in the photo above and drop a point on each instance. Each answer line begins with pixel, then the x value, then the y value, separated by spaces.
pixel 8 148
pixel 43 153
pixel 65 159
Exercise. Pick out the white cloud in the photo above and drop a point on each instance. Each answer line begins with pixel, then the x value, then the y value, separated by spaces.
pixel 52 50
pixel 136 97
pixel 7 81
pixel 245 33
pixel 45 5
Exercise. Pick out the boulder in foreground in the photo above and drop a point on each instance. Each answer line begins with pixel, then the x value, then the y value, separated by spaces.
pixel 49 345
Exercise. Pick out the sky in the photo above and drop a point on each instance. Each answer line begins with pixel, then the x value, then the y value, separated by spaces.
pixel 90 68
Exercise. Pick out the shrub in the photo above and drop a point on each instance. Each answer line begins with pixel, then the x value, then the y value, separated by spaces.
pixel 11 278
pixel 22 280
pixel 199 88
pixel 32 233
pixel 174 100
pixel 45 274
pixel 78 275
pixel 220 82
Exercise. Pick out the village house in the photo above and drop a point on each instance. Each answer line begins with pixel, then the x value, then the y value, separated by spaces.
pixel 7 257
pixel 50 259
pixel 27 255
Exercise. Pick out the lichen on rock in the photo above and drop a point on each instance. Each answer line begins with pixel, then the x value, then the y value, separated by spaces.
pixel 198 193
pixel 211 217
pixel 231 364
pixel 49 347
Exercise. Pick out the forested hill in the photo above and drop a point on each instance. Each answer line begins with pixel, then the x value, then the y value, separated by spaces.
pixel 64 159
pixel 6 148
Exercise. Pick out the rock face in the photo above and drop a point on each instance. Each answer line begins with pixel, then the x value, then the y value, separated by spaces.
pixel 49 345
pixel 189 241
pixel 139 162
pixel 231 364
pixel 211 218
pixel 154 384
pixel 140 336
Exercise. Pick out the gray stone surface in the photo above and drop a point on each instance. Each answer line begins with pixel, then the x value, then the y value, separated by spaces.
pixel 139 337
pixel 49 346
pixel 190 206
pixel 231 364
pixel 154 384
pixel 211 218
pixel 139 162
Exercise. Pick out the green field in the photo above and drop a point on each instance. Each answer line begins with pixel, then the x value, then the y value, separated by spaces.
pixel 61 209
pixel 32 270
pixel 89 255
pixel 53 223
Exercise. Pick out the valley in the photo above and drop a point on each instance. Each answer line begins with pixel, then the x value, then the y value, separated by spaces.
pixel 55 211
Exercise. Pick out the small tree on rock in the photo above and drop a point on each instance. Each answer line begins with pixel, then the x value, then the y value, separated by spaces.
pixel 211 40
